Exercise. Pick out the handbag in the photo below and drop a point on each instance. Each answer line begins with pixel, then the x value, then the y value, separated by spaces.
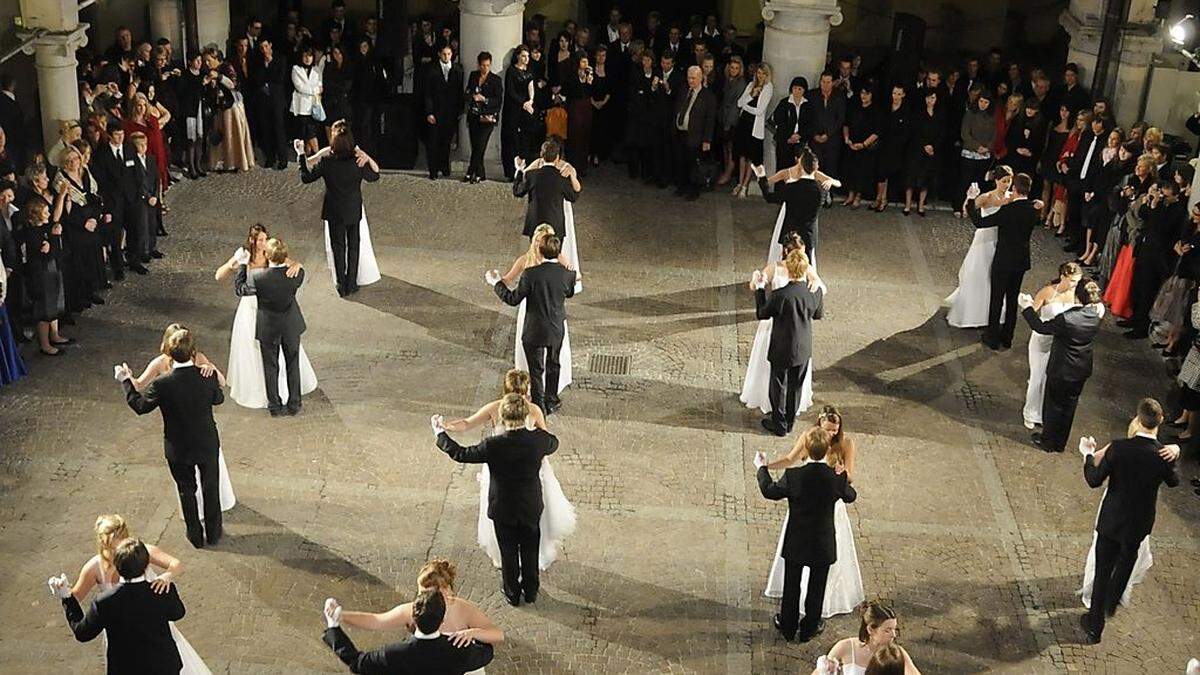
pixel 318 110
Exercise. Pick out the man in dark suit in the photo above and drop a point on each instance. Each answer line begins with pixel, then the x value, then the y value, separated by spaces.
pixel 1164 215
pixel 343 169
pixel 443 104
pixel 1083 170
pixel 694 120
pixel 270 82
pixel 829 115
pixel 144 212
pixel 812 489
pixel 545 286
pixel 278 324
pixel 1014 222
pixel 666 88
pixel 134 617
pixel 110 165
pixel 429 652
pixel 794 121
pixel 515 492
pixel 793 309
pixel 1134 468
pixel 1070 363
pixel 186 397
pixel 547 182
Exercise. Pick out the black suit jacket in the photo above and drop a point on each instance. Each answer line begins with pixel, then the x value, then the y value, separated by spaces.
pixel 514 459
pixel 492 90
pixel 802 200
pixel 186 399
pixel 785 120
pixel 116 181
pixel 271 82
pixel 443 98
pixel 1014 222
pixel 703 118
pixel 545 288
pixel 1075 168
pixel 145 178
pixel 792 309
pixel 546 189
pixel 812 490
pixel 1074 331
pixel 135 620
pixel 1134 471
pixel 343 187
pixel 415 656
pixel 278 312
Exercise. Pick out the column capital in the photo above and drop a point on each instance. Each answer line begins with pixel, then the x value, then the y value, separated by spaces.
pixel 791 15
pixel 492 7
pixel 67 41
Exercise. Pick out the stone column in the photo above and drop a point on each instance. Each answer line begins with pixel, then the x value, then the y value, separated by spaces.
pixel 494 26
pixel 58 84
pixel 795 41
pixel 166 20
pixel 212 24
pixel 1083 20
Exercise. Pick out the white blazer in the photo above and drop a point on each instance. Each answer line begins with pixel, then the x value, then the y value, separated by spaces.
pixel 759 111
pixel 307 86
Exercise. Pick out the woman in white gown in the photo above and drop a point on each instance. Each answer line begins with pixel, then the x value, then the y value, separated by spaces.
pixel 1055 298
pixel 755 388
pixel 161 365
pixel 464 621
pixel 98 572
pixel 844 588
pixel 969 302
pixel 247 382
pixel 530 258
pixel 878 630
pixel 558 514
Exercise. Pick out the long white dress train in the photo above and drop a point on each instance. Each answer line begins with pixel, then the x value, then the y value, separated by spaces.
pixel 247 381
pixel 556 524
pixel 1039 356
pixel 192 663
pixel 755 388
pixel 368 268
pixel 1142 565
pixel 228 499
pixel 969 302
pixel 844 589
pixel 570 251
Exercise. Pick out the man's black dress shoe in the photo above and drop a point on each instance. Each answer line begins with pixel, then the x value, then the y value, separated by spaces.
pixel 552 406
pixel 778 623
pixel 1090 636
pixel 531 597
pixel 275 412
pixel 514 600
pixel 196 539
pixel 770 426
pixel 806 637
pixel 139 268
pixel 156 254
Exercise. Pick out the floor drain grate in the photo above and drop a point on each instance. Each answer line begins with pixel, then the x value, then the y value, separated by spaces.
pixel 609 364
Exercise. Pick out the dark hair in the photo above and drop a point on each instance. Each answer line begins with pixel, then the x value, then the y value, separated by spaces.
pixel 1149 414
pixel 1168 185
pixel 1087 292
pixel 429 609
pixel 550 247
pixel 1021 184
pixel 873 615
pixel 550 149
pixel 889 660
pixel 8 185
pixel 1185 171
pixel 832 414
pixel 343 145
pixel 806 158
pixel 1071 67
pixel 791 242
pixel 483 56
pixel 1066 271
pixel 131 558
pixel 1031 103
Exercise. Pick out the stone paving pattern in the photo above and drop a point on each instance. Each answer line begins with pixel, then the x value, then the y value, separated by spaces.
pixel 976 538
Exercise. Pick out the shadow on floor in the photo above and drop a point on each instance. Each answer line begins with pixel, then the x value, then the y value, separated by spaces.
pixel 445 317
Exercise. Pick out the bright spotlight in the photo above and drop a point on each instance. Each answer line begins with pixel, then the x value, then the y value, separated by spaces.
pixel 1182 30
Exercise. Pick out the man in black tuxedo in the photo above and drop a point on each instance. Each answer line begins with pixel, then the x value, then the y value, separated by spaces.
pixel 545 287
pixel 343 169
pixel 515 492
pixel 1070 363
pixel 270 83
pixel 429 652
pixel 1014 222
pixel 443 104
pixel 134 617
pixel 145 211
pixel 547 182
pixel 278 324
pixel 812 489
pixel 666 88
pixel 793 309
pixel 693 124
pixel 1134 468
pixel 794 120
pixel 186 397
pixel 112 165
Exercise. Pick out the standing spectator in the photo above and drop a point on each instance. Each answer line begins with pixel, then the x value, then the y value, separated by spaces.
pixel 12 258
pixel 443 105
pixel 336 21
pixel 1097 215
pixel 77 209
pixel 643 129
pixel 727 117
pixel 270 80
pixel 1164 217
pixel 12 119
pixel 485 94
pixel 1058 132
pixel 751 127
pixel 1082 170
pixel 117 191
pixel 793 121
pixel 695 119
pixel 978 133
pixel 861 137
pixel 366 93
pixel 306 86
pixel 516 120
pixel 234 151
pixel 44 276
pixel 1070 93
pixel 670 85
pixel 1025 145
pixel 603 119
pixel 924 151
pixel 337 79
pixel 578 91
pixel 829 116
pixel 897 130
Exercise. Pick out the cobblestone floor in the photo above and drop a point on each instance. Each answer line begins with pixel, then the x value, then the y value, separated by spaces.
pixel 976 538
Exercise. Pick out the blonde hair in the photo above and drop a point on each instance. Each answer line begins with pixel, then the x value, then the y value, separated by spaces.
pixel 437 574
pixel 164 347
pixel 533 255
pixel 514 409
pixel 277 251
pixel 1152 136
pixel 763 67
pixel 796 264
pixel 516 382
pixel 110 529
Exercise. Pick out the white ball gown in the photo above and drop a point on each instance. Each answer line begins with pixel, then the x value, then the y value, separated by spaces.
pixel 556 524
pixel 755 388
pixel 1140 567
pixel 844 588
pixel 368 269
pixel 969 302
pixel 570 258
pixel 247 382
pixel 1039 356
pixel 192 663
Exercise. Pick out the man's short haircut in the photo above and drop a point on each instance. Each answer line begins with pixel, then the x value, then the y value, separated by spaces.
pixel 131 558
pixel 429 609
pixel 483 56
pixel 550 150
pixel 181 346
pixel 277 251
pixel 1021 184
pixel 1071 68
pixel 550 248
pixel 8 185
pixel 1149 414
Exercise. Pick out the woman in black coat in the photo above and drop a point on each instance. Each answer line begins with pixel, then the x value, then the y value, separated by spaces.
pixel 516 121
pixel 861 135
pixel 924 152
pixel 370 81
pixel 642 126
pixel 337 80
pixel 897 129
pixel 484 98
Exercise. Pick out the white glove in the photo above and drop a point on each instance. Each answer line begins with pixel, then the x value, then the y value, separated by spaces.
pixel 760 459
pixel 826 665
pixel 973 191
pixel 1024 300
pixel 1193 667
pixel 759 170
pixel 333 613
pixel 122 372
pixel 59 587
pixel 438 424
pixel 519 164
pixel 491 277
pixel 298 146
pixel 1087 445
pixel 242 257
pixel 757 280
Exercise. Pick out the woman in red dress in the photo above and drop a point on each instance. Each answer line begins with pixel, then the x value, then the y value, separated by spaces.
pixel 1136 190
pixel 138 118
pixel 1059 209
